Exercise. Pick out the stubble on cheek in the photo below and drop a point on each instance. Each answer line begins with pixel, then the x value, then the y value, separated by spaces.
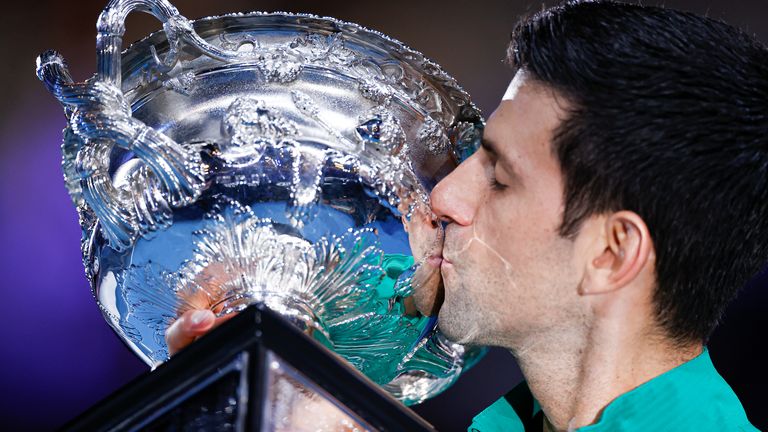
pixel 478 261
pixel 477 286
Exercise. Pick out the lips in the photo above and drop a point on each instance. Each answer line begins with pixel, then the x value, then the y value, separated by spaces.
pixel 435 260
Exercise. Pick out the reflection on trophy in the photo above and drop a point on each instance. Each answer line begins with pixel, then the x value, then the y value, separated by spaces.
pixel 274 159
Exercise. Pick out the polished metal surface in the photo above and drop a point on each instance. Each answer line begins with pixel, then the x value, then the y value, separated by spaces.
pixel 277 157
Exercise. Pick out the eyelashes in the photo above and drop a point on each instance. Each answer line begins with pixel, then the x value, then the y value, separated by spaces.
pixel 495 185
pixel 491 172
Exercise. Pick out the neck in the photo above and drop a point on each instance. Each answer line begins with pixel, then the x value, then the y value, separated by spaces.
pixel 575 375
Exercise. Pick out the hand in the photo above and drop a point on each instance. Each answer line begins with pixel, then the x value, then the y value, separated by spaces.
pixel 190 326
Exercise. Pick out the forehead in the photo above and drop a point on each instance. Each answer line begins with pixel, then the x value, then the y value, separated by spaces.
pixel 522 127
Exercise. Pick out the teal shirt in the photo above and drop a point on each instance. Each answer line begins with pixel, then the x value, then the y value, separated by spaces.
pixel 690 397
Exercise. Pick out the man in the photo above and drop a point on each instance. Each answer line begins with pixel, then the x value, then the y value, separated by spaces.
pixel 618 203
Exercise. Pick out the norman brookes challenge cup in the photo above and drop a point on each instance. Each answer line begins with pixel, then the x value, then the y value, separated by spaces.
pixel 267 157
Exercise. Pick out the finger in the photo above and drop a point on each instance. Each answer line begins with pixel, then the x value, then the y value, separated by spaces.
pixel 187 328
pixel 222 319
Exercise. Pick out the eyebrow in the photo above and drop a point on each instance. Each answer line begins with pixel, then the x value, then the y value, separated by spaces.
pixel 489 147
pixel 492 149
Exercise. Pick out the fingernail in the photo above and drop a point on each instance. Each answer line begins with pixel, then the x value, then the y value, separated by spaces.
pixel 199 316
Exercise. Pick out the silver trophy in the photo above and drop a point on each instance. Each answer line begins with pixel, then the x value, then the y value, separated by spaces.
pixel 267 157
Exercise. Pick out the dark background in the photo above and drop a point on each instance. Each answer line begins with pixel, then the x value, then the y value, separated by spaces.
pixel 57 354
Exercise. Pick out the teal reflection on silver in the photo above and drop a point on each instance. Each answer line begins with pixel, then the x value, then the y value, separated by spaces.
pixel 276 158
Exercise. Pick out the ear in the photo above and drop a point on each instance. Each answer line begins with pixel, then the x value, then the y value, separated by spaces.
pixel 620 254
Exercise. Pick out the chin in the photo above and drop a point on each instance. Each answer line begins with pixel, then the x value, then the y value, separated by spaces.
pixel 456 327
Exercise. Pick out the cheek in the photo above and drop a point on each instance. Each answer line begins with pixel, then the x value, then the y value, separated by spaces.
pixel 515 241
pixel 503 231
pixel 520 220
pixel 484 266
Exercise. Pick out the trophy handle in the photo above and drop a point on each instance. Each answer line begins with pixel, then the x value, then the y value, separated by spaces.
pixel 178 30
pixel 165 174
pixel 111 28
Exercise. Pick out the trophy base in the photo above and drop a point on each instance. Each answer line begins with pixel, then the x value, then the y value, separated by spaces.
pixel 256 372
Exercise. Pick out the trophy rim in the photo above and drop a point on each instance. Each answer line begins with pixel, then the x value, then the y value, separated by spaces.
pixel 105 121
pixel 136 53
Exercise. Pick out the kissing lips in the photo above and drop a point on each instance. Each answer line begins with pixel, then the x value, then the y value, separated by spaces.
pixel 435 261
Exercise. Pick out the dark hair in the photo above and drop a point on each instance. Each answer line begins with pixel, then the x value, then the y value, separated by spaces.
pixel 668 117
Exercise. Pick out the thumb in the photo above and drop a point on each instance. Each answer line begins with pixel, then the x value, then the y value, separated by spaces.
pixel 191 325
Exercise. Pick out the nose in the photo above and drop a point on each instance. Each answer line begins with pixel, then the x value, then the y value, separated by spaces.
pixel 456 197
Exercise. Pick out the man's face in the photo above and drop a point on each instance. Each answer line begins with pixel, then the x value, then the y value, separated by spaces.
pixel 508 274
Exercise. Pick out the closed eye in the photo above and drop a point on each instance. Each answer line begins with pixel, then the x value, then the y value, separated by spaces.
pixel 495 185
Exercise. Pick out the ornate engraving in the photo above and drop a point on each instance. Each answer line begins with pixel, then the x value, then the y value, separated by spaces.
pixel 375 90
pixel 240 259
pixel 433 136
pixel 277 66
pixel 381 129
pixel 324 48
pixel 308 107
pixel 307 173
pixel 183 83
pixel 346 129
pixel 252 126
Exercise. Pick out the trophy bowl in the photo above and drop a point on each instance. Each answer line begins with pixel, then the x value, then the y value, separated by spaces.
pixel 267 157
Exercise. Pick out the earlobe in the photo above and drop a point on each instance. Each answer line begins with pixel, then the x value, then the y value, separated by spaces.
pixel 622 253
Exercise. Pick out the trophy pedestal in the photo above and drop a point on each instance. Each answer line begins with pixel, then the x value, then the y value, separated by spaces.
pixel 256 372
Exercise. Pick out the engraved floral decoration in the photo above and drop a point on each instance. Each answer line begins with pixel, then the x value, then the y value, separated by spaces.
pixel 100 119
pixel 261 111
pixel 328 287
pixel 433 136
pixel 381 129
pixel 252 126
